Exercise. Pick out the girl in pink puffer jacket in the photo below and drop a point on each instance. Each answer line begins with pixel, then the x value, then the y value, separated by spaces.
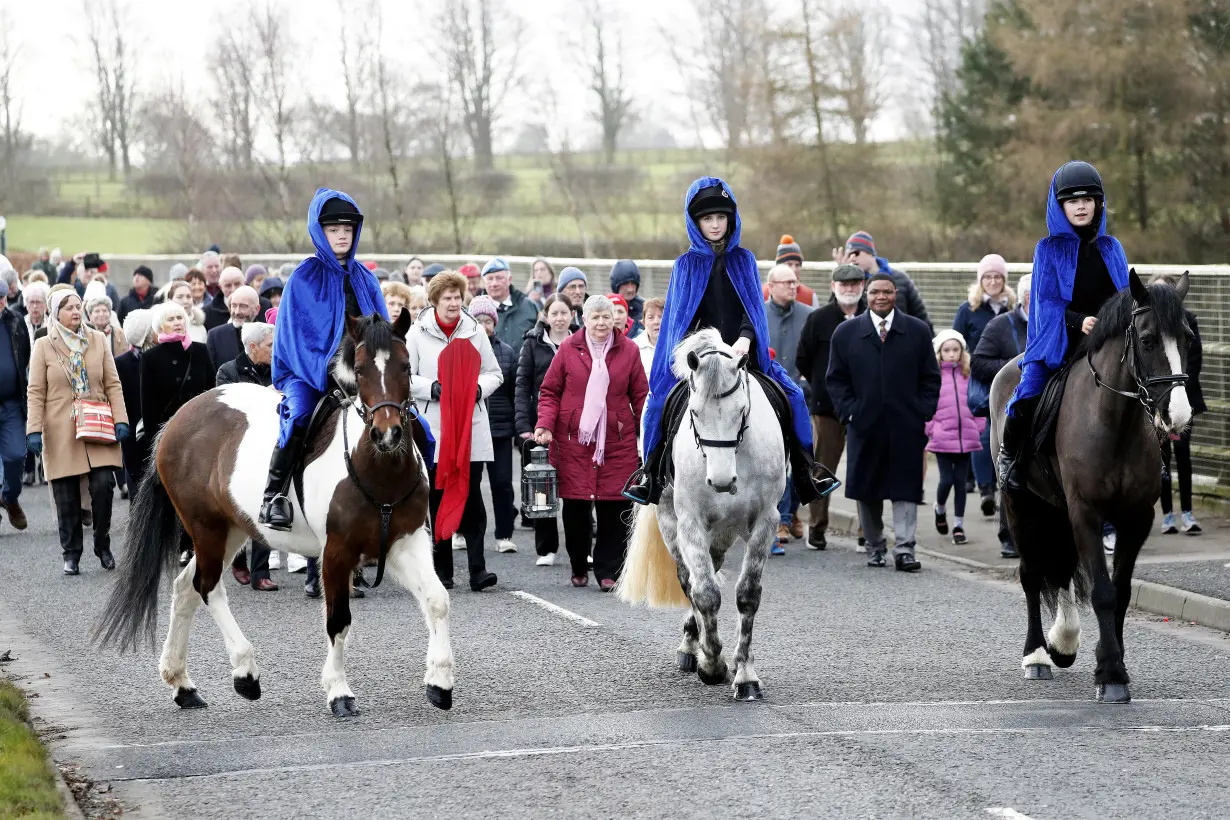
pixel 953 430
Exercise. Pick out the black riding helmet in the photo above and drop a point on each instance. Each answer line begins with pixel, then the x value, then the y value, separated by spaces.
pixel 711 200
pixel 1078 179
pixel 338 211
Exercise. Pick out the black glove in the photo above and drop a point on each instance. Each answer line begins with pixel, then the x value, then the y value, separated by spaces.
pixel 435 391
pixel 478 394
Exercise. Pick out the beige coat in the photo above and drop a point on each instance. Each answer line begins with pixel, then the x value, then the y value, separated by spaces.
pixel 50 410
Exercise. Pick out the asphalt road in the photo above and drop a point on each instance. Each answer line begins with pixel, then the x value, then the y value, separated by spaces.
pixel 887 695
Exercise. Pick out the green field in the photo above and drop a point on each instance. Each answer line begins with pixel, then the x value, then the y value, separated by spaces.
pixel 27 784
pixel 104 235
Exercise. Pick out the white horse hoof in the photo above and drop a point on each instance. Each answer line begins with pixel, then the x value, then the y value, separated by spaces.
pixel 1038 671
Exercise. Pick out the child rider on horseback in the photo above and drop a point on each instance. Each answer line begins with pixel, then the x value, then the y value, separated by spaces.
pixel 323 290
pixel 716 284
pixel 1076 269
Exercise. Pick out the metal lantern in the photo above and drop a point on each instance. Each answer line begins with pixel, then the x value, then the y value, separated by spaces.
pixel 539 487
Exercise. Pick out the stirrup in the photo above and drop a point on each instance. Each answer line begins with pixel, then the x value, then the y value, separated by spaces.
pixel 639 488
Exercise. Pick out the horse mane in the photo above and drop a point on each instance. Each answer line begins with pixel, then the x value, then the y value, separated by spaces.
pixel 376 334
pixel 1116 314
pixel 707 341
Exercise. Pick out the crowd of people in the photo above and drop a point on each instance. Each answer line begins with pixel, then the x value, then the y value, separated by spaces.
pixel 552 363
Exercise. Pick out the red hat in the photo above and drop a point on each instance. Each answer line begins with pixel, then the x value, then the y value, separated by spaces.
pixel 616 299
pixel 469 271
pixel 369 265
pixel 772 354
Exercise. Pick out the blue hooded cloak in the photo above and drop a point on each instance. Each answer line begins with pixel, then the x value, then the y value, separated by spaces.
pixel 1054 272
pixel 312 318
pixel 683 294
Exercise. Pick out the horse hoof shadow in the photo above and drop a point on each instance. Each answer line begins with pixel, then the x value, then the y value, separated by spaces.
pixel 1059 658
pixel 717 676
pixel 248 687
pixel 1114 693
pixel 189 699
pixel 1038 671
pixel 686 662
pixel 748 691
pixel 343 706
pixel 439 697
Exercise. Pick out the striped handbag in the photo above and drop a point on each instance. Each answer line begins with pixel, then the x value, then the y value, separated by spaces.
pixel 95 423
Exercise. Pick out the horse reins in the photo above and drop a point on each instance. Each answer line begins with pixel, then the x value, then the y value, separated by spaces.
pixel 1141 393
pixel 740 381
pixel 368 415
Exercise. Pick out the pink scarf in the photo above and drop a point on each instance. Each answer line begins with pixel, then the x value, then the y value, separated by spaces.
pixel 593 417
pixel 182 338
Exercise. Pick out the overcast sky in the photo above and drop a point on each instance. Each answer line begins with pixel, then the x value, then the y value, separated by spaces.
pixel 174 42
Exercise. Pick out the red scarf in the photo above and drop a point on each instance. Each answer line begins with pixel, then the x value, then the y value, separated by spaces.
pixel 458 374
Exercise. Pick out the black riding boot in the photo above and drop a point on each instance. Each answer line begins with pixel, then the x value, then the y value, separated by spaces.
pixel 645 485
pixel 1014 445
pixel 276 511
pixel 811 480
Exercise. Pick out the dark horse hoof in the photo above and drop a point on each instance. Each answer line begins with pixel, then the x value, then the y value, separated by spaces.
pixel 712 678
pixel 748 691
pixel 1038 671
pixel 248 687
pixel 343 706
pixel 1060 659
pixel 686 662
pixel 189 699
pixel 1114 693
pixel 439 697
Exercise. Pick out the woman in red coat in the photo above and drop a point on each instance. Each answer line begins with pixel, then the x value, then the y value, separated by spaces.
pixel 589 411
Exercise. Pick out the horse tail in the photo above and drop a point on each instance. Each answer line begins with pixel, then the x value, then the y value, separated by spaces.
pixel 150 550
pixel 650 576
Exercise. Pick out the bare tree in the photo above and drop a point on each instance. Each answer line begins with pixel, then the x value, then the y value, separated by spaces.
pixel 606 77
pixel 480 40
pixel 14 143
pixel 854 42
pixel 176 144
pixel 564 169
pixel 273 77
pixel 816 92
pixel 945 27
pixel 357 69
pixel 108 33
pixel 233 66
pixel 442 123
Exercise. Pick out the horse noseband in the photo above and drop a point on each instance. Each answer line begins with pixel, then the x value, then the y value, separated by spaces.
pixel 368 414
pixel 702 443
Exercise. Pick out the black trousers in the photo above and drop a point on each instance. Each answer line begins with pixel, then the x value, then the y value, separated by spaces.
pixel 1183 457
pixel 611 544
pixel 473 526
pixel 500 475
pixel 66 492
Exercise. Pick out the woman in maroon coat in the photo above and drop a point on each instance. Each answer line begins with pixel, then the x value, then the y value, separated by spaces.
pixel 590 415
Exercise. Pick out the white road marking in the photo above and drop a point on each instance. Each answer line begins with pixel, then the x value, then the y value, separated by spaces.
pixel 554 608
pixel 1005 812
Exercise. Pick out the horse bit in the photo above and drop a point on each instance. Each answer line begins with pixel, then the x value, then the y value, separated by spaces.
pixel 740 381
pixel 367 414
pixel 1141 393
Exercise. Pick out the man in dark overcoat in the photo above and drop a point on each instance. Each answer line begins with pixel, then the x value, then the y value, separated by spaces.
pixel 884 383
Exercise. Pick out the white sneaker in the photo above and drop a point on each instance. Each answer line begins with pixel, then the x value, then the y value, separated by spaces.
pixel 504 545
pixel 275 560
pixel 459 543
pixel 1108 543
pixel 295 562
pixel 547 560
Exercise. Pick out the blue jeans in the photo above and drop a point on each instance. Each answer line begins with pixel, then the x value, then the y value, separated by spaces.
pixel 984 473
pixel 789 504
pixel 12 447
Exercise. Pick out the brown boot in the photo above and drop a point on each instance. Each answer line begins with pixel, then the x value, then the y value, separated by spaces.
pixel 796 527
pixel 17 516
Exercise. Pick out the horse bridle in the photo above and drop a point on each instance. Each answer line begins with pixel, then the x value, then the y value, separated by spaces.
pixel 1143 383
pixel 368 416
pixel 740 381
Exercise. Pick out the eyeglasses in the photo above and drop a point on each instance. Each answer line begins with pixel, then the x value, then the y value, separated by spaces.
pixel 790 282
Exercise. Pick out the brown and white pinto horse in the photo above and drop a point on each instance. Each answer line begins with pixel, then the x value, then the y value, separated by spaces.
pixel 212 457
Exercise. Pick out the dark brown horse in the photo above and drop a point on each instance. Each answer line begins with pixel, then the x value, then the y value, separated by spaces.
pixel 1125 388
pixel 361 467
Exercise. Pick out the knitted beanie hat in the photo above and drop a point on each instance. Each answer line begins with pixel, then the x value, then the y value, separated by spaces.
pixel 571 274
pixel 992 263
pixel 788 250
pixel 861 241
pixel 484 306
pixel 948 335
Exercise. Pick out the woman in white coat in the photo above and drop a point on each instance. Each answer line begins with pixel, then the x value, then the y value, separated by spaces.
pixel 438 396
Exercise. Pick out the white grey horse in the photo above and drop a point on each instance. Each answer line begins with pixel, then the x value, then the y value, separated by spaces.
pixel 730 472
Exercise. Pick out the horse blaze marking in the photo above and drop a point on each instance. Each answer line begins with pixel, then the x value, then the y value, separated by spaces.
pixel 382 361
pixel 1007 813
pixel 553 608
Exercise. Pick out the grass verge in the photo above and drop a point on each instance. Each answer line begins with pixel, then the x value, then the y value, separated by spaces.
pixel 27 783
